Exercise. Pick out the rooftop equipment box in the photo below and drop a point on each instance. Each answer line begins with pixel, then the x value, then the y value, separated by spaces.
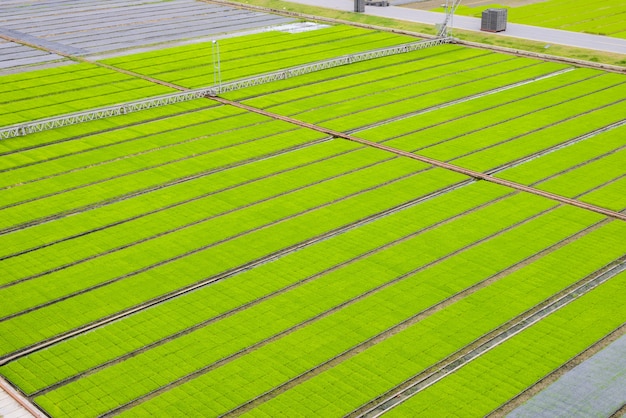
pixel 494 20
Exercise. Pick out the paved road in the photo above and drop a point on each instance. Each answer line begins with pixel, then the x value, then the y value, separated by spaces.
pixel 534 33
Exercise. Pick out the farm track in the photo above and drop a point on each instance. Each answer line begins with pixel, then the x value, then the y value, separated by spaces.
pixel 474 96
pixel 202 248
pixel 147 168
pixel 381 336
pixel 249 265
pixel 431 161
pixel 137 75
pixel 207 152
pixel 282 291
pixel 489 341
pixel 199 123
pixel 254 303
pixel 495 48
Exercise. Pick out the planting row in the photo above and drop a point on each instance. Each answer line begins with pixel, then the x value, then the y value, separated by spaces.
pixel 593 167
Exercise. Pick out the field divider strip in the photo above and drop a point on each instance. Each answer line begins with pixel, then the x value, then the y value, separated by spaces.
pixel 538 129
pixel 441 164
pixel 509 119
pixel 221 276
pixel 305 375
pixel 367 70
pixel 513 328
pixel 430 310
pixel 479 95
pixel 273 294
pixel 439 66
pixel 156 187
pixel 417 317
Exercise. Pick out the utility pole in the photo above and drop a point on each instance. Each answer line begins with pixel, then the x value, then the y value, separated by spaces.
pixel 217 70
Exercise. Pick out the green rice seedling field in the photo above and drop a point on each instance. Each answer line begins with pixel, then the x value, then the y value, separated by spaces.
pixel 596 17
pixel 205 259
pixel 192 65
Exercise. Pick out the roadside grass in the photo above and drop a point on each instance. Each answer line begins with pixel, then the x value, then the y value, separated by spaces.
pixel 606 17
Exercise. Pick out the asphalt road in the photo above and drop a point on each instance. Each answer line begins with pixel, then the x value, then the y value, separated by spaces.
pixel 533 33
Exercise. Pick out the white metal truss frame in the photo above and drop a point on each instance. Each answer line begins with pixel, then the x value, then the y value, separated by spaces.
pixel 450 7
pixel 124 108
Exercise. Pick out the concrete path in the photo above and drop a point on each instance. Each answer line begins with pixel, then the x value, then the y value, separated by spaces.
pixel 533 33
pixel 11 408
pixel 595 388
